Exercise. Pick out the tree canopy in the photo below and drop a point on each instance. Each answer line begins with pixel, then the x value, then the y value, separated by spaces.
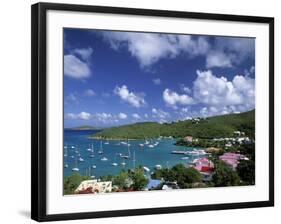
pixel 225 176
pixel 212 127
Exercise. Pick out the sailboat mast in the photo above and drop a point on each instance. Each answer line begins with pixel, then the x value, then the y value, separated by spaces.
pixel 129 154
pixel 134 160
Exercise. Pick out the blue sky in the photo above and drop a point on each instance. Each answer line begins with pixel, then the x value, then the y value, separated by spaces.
pixel 114 78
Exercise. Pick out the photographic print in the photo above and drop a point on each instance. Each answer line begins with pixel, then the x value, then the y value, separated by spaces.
pixel 157 111
pixel 141 111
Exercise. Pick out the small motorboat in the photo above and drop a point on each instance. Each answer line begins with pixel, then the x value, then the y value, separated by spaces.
pixel 146 169
pixel 103 159
pixel 158 167
pixel 75 169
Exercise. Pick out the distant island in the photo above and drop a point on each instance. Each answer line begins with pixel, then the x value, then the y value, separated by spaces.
pixel 83 128
pixel 204 128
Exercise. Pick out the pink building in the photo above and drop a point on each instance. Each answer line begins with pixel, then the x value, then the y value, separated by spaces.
pixel 232 159
pixel 204 165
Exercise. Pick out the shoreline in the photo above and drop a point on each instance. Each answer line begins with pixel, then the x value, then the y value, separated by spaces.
pixel 114 139
pixel 124 139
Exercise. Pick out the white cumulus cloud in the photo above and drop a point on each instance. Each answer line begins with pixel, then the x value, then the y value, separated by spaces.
pixel 212 90
pixel 229 52
pixel 75 68
pixel 134 99
pixel 81 116
pixel 85 53
pixel 221 96
pixel 173 99
pixel 84 116
pixel 122 116
pixel 160 115
pixel 218 59
pixel 136 116
pixel 149 48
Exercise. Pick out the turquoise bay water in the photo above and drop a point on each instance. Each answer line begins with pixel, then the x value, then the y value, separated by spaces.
pixel 144 156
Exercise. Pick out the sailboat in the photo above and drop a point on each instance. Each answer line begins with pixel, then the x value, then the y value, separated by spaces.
pixel 101 150
pixel 151 145
pixel 134 160
pixel 89 149
pixel 146 169
pixel 92 176
pixel 75 168
pixel 146 142
pixel 65 155
pixel 123 163
pixel 114 163
pixel 66 152
pixel 129 154
pixel 104 159
pixel 92 155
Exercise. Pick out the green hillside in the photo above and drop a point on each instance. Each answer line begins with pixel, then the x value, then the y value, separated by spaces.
pixel 212 127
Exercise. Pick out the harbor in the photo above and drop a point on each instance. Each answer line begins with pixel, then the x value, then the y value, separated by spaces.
pixel 97 157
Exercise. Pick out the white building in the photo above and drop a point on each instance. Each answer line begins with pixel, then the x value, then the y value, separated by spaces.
pixel 93 186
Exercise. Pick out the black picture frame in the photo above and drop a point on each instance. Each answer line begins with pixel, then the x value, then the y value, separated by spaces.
pixel 39 122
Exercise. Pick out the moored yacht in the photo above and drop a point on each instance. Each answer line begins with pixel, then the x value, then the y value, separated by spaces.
pixel 75 168
pixel 104 159
pixel 101 149
pixel 146 169
pixel 158 167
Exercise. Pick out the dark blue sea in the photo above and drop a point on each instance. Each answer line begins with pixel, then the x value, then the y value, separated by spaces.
pixel 77 143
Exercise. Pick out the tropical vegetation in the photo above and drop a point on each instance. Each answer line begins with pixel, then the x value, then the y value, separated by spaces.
pixel 203 128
